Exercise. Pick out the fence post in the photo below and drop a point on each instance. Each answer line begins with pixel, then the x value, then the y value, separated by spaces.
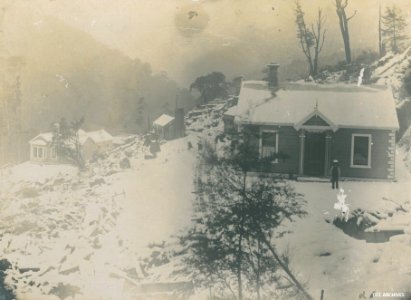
pixel 322 295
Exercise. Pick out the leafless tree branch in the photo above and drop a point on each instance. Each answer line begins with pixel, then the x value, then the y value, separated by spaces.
pixel 353 15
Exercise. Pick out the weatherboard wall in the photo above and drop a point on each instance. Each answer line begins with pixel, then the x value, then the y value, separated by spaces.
pixel 288 143
pixel 380 153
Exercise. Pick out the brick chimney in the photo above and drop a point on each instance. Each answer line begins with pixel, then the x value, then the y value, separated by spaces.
pixel 272 75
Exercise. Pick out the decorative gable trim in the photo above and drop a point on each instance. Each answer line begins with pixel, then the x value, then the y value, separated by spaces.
pixel 315 113
pixel 38 137
pixel 316 121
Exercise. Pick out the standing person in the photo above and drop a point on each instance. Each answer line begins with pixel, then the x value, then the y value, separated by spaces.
pixel 335 173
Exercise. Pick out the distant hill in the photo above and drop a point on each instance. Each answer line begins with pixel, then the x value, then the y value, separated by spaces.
pixel 67 73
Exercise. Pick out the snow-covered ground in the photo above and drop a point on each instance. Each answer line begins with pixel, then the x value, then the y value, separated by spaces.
pixel 158 194
pixel 326 258
pixel 85 235
pixel 68 234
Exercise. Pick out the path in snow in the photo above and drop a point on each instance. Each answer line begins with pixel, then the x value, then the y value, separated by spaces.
pixel 158 195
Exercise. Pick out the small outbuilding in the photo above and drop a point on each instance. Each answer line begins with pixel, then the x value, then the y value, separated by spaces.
pixel 164 127
pixel 228 119
pixel 101 141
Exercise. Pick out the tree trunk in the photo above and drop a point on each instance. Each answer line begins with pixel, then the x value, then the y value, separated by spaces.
pixel 346 38
pixel 347 46
pixel 285 268
pixel 239 263
pixel 240 239
pixel 310 59
pixel 344 32
pixel 258 284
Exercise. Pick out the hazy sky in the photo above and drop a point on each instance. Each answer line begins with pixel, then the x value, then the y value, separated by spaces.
pixel 186 38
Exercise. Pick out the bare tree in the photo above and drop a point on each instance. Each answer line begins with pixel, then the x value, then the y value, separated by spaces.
pixel 393 29
pixel 341 5
pixel 311 39
pixel 319 37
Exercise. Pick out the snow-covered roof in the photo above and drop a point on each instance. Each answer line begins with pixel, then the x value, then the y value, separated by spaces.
pixel 42 139
pixel 343 105
pixel 163 120
pixel 100 136
pixel 82 136
pixel 232 111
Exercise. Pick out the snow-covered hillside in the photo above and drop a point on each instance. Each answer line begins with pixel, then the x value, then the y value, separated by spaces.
pixel 391 70
pixel 70 234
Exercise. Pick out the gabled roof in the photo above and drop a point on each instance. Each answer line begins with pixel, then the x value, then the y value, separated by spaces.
pixel 82 136
pixel 163 120
pixel 100 136
pixel 340 105
pixel 313 114
pixel 42 139
pixel 232 111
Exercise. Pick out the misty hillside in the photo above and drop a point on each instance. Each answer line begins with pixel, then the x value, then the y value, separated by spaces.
pixel 67 73
pixel 393 70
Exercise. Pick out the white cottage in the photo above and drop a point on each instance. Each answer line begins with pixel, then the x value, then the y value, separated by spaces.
pixel 41 149
pixel 93 142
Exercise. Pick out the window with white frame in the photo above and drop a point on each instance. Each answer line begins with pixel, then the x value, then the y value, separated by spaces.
pixel 361 150
pixel 268 143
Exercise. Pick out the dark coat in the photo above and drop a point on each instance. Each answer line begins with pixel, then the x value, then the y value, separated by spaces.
pixel 335 172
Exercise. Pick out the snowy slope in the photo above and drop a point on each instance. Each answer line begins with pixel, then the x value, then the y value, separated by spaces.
pixel 342 265
pixel 73 234
pixel 63 230
pixel 391 70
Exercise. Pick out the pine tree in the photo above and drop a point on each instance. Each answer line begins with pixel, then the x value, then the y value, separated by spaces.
pixel 230 242
pixel 394 25
pixel 66 141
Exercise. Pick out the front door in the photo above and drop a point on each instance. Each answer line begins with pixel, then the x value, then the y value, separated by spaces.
pixel 314 154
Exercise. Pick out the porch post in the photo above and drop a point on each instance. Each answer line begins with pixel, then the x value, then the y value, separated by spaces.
pixel 328 138
pixel 302 144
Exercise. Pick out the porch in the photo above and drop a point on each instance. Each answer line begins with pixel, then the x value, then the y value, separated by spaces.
pixel 315 153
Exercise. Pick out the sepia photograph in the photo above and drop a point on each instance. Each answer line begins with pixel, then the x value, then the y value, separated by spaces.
pixel 205 149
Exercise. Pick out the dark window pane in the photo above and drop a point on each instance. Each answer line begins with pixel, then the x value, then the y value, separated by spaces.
pixel 269 139
pixel 268 144
pixel 361 144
